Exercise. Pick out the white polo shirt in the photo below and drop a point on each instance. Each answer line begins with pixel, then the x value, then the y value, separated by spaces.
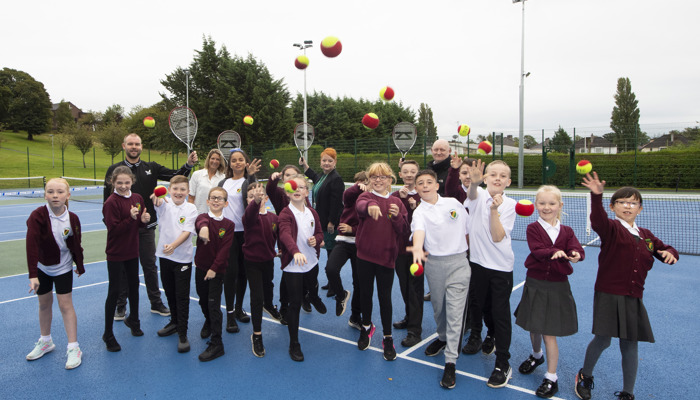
pixel 305 229
pixel 484 251
pixel 552 231
pixel 172 221
pixel 445 224
pixel 200 184
pixel 235 209
pixel 61 229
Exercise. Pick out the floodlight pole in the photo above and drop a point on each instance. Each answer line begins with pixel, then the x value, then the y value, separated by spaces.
pixel 303 47
pixel 521 140
pixel 187 104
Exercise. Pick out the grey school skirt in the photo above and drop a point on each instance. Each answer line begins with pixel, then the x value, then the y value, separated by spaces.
pixel 547 308
pixel 623 317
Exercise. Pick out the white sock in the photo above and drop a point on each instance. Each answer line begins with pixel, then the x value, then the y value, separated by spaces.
pixel 45 339
pixel 72 345
pixel 538 355
pixel 366 327
pixel 551 377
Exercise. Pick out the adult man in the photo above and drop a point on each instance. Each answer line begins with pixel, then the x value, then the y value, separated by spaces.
pixel 441 162
pixel 147 176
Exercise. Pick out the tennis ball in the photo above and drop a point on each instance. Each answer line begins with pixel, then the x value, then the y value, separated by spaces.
pixel 484 147
pixel 274 164
pixel 160 191
pixel 463 130
pixel 524 208
pixel 290 186
pixel 331 46
pixel 370 121
pixel 149 122
pixel 301 62
pixel 583 167
pixel 416 269
pixel 387 93
pixel 248 120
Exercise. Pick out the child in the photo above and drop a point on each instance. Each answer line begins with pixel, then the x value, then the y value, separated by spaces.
pixel 440 226
pixel 300 238
pixel 53 244
pixel 123 215
pixel 412 287
pixel 458 180
pixel 175 252
pixel 492 216
pixel 626 256
pixel 547 308
pixel 260 228
pixel 214 239
pixel 383 220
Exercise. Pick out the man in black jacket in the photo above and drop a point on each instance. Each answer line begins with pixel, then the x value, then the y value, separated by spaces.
pixel 441 162
pixel 147 176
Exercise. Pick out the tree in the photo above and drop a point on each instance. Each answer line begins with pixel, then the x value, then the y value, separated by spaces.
pixel 625 117
pixel 113 113
pixel 111 136
pixel 24 103
pixel 529 141
pixel 80 136
pixel 63 115
pixel 426 124
pixel 561 141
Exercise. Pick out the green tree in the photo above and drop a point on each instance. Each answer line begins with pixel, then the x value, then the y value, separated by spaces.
pixel 625 117
pixel 113 113
pixel 24 103
pixel 80 136
pixel 561 141
pixel 111 136
pixel 426 124
pixel 529 141
pixel 63 115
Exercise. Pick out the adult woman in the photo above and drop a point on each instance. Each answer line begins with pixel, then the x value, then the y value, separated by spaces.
pixel 205 179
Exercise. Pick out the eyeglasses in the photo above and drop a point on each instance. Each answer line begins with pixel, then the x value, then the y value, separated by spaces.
pixel 217 198
pixel 379 177
pixel 302 187
pixel 630 204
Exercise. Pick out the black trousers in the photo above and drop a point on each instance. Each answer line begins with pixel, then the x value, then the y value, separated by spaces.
pixel 412 288
pixel 367 272
pixel 116 270
pixel 342 252
pixel 495 286
pixel 235 278
pixel 147 256
pixel 258 273
pixel 209 293
pixel 176 279
pixel 295 290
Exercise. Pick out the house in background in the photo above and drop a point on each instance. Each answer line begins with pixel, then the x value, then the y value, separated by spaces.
pixel 74 111
pixel 596 145
pixel 664 142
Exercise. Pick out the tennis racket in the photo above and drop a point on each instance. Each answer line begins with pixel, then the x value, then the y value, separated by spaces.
pixel 183 124
pixel 228 140
pixel 404 134
pixel 303 138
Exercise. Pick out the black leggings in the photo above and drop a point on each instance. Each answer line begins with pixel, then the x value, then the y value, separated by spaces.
pixel 412 288
pixel 367 272
pixel 342 252
pixel 295 282
pixel 258 274
pixel 235 279
pixel 115 269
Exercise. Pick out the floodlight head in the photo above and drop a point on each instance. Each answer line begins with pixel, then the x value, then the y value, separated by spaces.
pixel 308 41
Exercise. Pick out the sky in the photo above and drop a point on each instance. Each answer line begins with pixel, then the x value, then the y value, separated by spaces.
pixel 461 58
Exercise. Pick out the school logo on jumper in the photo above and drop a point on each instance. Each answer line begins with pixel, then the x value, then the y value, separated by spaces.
pixel 222 232
pixel 181 220
pixel 312 224
pixel 650 245
pixel 66 232
pixel 453 214
pixel 138 207
pixel 274 227
pixel 238 190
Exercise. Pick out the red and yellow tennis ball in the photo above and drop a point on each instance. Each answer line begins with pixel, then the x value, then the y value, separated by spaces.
pixel 370 121
pixel 584 167
pixel 524 208
pixel 149 122
pixel 387 93
pixel 160 191
pixel 463 130
pixel 301 62
pixel 274 163
pixel 290 186
pixel 484 147
pixel 248 120
pixel 416 269
pixel 331 46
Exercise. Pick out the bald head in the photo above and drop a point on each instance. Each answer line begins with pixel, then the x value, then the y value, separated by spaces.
pixel 440 150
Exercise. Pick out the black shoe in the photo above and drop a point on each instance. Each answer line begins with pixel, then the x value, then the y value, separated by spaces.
pixel 426 297
pixel 273 313
pixel 389 350
pixel 167 330
pixel 341 304
pixel 499 377
pixel 206 330
pixel 295 352
pixel 448 376
pixel 134 326
pixel 365 337
pixel 305 304
pixel 231 324
pixel 624 396
pixel 326 286
pixel 183 345
pixel 160 309
pixel 258 348
pixel 489 345
pixel 473 344
pixel 528 366
pixel 213 351
pixel 283 313
pixel 403 324
pixel 411 340
pixel 330 293
pixel 318 305
pixel 241 315
pixel 120 314
pixel 584 385
pixel 547 389
pixel 111 342
pixel 435 347
pixel 355 322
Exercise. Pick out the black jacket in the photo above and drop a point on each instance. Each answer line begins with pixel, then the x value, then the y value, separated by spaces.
pixel 329 202
pixel 441 169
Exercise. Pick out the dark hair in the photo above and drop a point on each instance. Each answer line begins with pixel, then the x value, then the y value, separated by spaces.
pixel 426 172
pixel 251 186
pixel 122 170
pixel 467 161
pixel 229 170
pixel 360 177
pixel 288 166
pixel 625 192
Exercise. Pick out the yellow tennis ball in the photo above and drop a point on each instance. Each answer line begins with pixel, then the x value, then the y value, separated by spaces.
pixel 248 120
pixel 463 130
pixel 331 46
pixel 584 167
pixel 387 93
pixel 301 62
pixel 149 122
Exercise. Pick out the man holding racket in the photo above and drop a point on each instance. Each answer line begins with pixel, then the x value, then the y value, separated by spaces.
pixel 147 176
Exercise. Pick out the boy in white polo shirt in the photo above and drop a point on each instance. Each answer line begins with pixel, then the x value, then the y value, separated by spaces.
pixel 492 218
pixel 175 250
pixel 440 226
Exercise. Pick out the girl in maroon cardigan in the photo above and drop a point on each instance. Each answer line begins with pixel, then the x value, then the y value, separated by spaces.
pixel 627 253
pixel 123 215
pixel 53 244
pixel 547 308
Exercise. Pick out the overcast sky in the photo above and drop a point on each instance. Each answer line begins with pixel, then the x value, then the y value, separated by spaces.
pixel 462 58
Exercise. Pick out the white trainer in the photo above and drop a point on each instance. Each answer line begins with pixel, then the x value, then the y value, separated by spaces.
pixel 40 349
pixel 75 357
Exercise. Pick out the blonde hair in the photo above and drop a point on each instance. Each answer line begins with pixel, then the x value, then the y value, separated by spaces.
pixel 498 162
pixel 381 168
pixel 59 180
pixel 180 179
pixel 218 189
pixel 222 162
pixel 553 190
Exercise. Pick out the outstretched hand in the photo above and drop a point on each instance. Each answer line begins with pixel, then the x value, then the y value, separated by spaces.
pixel 476 172
pixel 455 161
pixel 594 184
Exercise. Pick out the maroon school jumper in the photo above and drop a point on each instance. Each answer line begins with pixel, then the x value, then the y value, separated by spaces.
pixel 624 259
pixel 288 232
pixel 122 230
pixel 260 233
pixel 378 241
pixel 539 262
pixel 405 239
pixel 349 214
pixel 41 245
pixel 453 185
pixel 213 255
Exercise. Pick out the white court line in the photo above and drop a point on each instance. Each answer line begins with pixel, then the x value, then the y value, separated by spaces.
pixel 82 225
pixel 14 240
